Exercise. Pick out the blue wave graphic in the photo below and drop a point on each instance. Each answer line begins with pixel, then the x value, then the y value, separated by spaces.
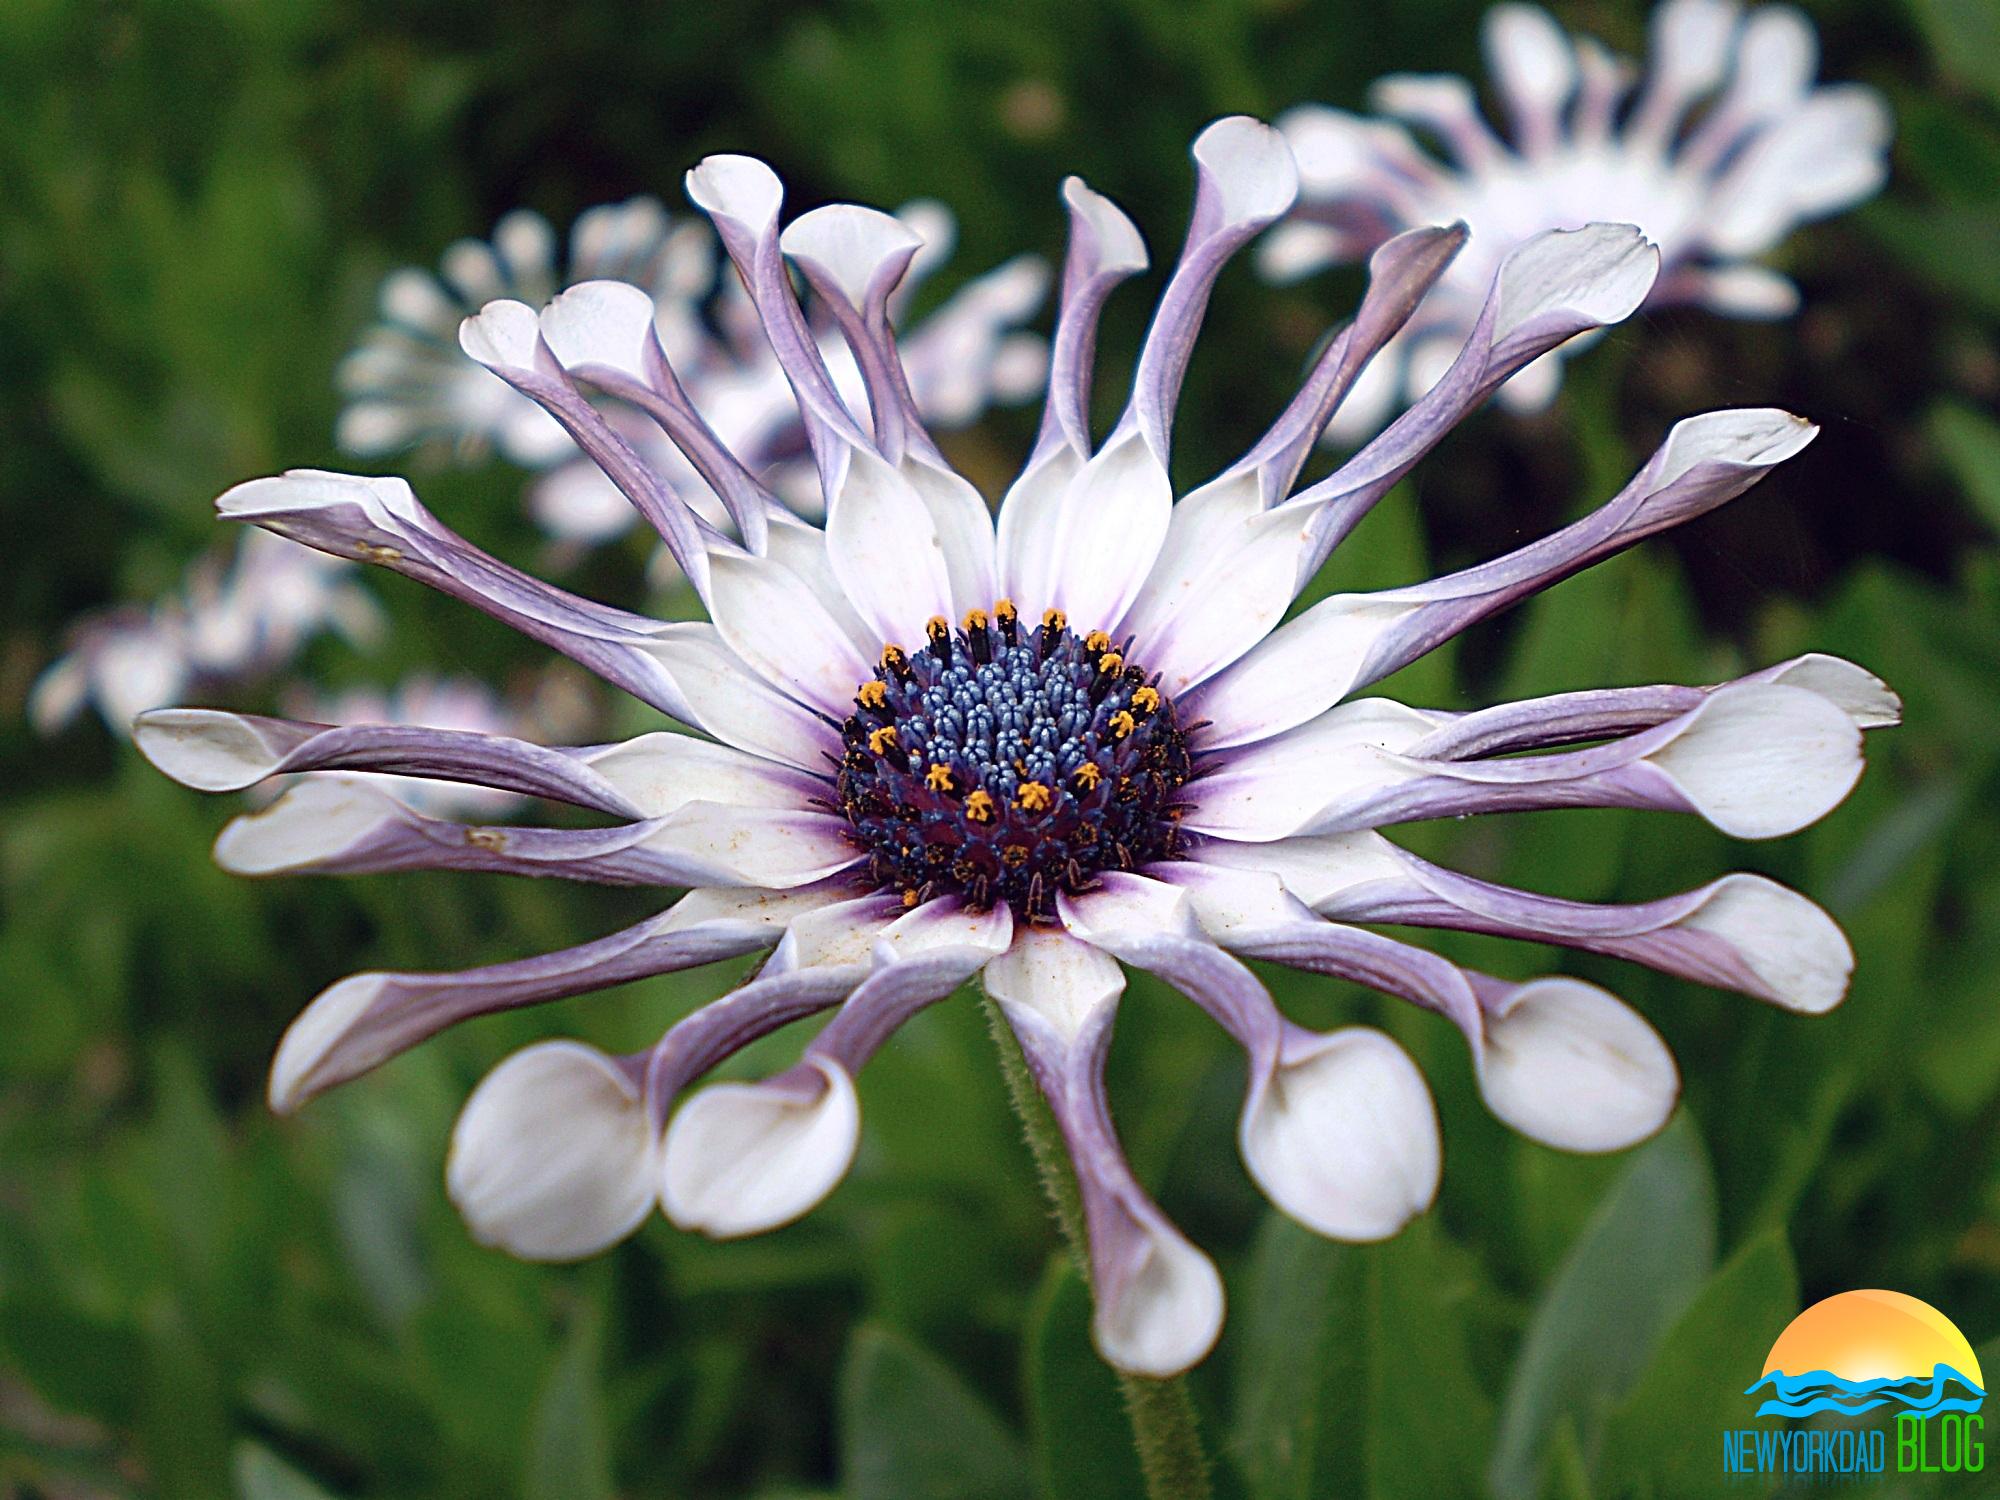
pixel 1822 1390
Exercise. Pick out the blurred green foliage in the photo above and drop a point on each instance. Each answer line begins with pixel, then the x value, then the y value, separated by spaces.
pixel 197 198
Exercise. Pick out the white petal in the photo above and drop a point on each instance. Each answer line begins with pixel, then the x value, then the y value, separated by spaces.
pixel 1315 868
pixel 600 323
pixel 309 489
pixel 887 549
pixel 1030 520
pixel 315 1032
pixel 1857 692
pixel 503 334
pixel 742 1158
pixel 771 619
pixel 1797 950
pixel 1600 273
pixel 1344 1138
pixel 1119 245
pixel 1764 436
pixel 314 820
pixel 1167 1313
pixel 1332 149
pixel 1531 57
pixel 1055 979
pixel 1743 291
pixel 1251 167
pixel 662 772
pixel 1830 152
pixel 721 844
pixel 554 1157
pixel 736 187
pixel 1690 44
pixel 1112 519
pixel 940 928
pixel 1569 1065
pixel 1760 759
pixel 577 502
pixel 1296 249
pixel 850 244
pixel 1273 788
pixel 964 528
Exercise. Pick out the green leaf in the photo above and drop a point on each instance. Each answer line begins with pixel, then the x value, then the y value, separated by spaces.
pixel 1657 1441
pixel 1076 1418
pixel 909 1427
pixel 1637 1264
pixel 1354 1375
pixel 1964 37
pixel 569 1442
pixel 262 1475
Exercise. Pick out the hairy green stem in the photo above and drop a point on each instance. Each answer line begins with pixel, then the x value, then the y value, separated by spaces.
pixel 1164 1427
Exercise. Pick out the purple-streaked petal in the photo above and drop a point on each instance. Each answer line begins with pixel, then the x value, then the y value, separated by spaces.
pixel 854 258
pixel 366 1019
pixel 1756 760
pixel 1104 249
pixel 553 1157
pixel 1338 1130
pixel 1444 105
pixel 742 196
pixel 743 1158
pixel 505 337
pixel 1245 179
pixel 607 333
pixel 1830 152
pixel 1558 1060
pixel 1159 1299
pixel 338 825
pixel 1350 640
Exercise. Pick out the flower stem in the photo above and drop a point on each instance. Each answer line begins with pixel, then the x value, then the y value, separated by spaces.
pixel 1162 1414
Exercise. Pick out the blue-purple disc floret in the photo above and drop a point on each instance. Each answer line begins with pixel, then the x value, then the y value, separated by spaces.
pixel 1005 764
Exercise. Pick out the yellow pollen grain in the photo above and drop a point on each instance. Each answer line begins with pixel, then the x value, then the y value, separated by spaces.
pixel 1004 611
pixel 1146 699
pixel 909 898
pixel 873 695
pixel 1122 724
pixel 975 619
pixel 1014 856
pixel 881 739
pixel 1097 640
pixel 1109 663
pixel 938 778
pixel 893 658
pixel 937 627
pixel 979 806
pixel 1088 775
pixel 1033 797
pixel 1054 619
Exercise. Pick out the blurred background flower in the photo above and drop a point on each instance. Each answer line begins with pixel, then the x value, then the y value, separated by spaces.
pixel 201 200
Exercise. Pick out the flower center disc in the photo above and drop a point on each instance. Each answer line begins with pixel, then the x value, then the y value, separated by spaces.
pixel 1008 764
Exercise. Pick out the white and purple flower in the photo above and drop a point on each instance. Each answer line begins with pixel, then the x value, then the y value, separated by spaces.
pixel 236 619
pixel 927 746
pixel 1715 186
pixel 409 383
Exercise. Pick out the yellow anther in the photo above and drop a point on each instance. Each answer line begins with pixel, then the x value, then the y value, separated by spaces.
pixel 909 899
pixel 1054 619
pixel 1013 856
pixel 1096 641
pixel 1122 724
pixel 1033 797
pixel 938 778
pixel 1088 775
pixel 1110 663
pixel 894 658
pixel 975 619
pixel 937 627
pixel 1004 611
pixel 1146 699
pixel 979 806
pixel 872 695
pixel 881 739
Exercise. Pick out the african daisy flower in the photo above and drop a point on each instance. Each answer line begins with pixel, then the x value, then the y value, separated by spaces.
pixel 233 621
pixel 409 382
pixel 930 747
pixel 1767 152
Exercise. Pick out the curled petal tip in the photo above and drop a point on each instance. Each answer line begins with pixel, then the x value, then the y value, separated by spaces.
pixel 1760 759
pixel 313 1035
pixel 1798 953
pixel 1344 1137
pixel 1566 1064
pixel 554 1156
pixel 310 823
pixel 203 748
pixel 852 245
pixel 501 334
pixel 599 323
pixel 1164 1312
pixel 742 1158
pixel 736 187
pixel 1251 166
pixel 1117 243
